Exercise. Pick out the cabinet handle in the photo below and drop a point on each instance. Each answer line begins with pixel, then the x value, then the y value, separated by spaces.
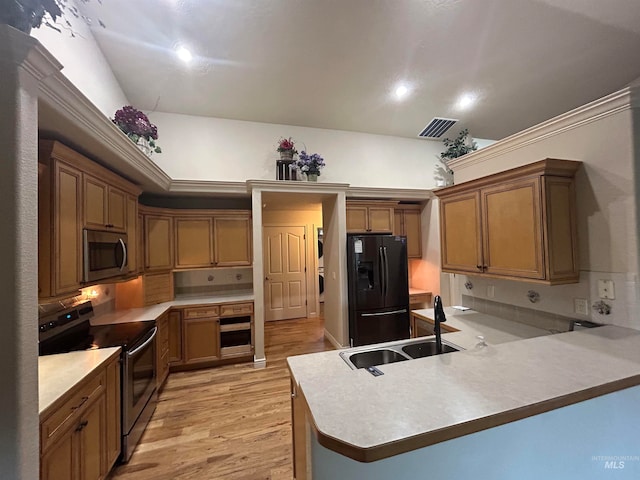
pixel 81 426
pixel 84 399
pixel 479 267
pixel 109 225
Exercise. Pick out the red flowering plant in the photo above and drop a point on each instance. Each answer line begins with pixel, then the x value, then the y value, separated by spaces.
pixel 136 125
pixel 286 145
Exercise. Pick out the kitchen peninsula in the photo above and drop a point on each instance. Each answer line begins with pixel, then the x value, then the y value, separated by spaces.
pixel 527 408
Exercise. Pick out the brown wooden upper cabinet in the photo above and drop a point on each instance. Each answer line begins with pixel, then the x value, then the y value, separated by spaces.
pixel 105 206
pixel 407 222
pixel 75 193
pixel 370 216
pixel 219 240
pixel 519 224
pixel 158 242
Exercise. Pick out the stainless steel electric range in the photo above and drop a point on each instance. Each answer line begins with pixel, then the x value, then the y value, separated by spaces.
pixel 70 330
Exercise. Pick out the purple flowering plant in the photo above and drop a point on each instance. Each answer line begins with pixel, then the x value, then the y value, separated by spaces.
pixel 136 125
pixel 310 164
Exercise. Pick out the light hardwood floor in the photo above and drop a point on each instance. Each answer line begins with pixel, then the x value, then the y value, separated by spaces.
pixel 231 422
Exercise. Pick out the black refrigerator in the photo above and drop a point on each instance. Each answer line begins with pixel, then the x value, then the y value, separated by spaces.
pixel 378 288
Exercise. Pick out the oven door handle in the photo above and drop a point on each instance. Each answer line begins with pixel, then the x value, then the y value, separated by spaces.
pixel 124 253
pixel 147 342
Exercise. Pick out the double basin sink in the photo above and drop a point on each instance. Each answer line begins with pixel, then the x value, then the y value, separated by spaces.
pixel 374 355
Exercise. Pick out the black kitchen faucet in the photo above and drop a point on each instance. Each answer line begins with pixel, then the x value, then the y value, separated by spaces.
pixel 439 318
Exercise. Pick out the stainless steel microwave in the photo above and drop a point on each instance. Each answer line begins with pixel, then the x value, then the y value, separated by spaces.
pixel 105 255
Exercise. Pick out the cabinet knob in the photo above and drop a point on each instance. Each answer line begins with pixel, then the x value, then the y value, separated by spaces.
pixel 479 267
pixel 81 426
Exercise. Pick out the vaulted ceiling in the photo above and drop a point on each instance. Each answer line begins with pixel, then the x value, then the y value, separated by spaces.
pixel 337 63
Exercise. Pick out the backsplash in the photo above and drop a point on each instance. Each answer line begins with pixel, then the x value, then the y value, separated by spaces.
pixel 536 318
pixel 560 299
pixel 102 299
pixel 199 282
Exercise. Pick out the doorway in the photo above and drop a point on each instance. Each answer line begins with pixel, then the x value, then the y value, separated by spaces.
pixel 285 287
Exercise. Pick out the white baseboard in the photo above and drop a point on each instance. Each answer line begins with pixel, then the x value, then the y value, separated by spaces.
pixel 259 362
pixel 332 340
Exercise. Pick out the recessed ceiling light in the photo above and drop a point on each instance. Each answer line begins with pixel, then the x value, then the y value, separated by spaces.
pixel 184 54
pixel 401 91
pixel 466 101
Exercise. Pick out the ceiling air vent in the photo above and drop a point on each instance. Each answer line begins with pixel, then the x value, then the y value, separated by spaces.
pixel 437 127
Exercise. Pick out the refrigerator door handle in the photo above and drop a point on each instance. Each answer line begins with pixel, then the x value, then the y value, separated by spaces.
pixel 403 310
pixel 386 270
pixel 381 271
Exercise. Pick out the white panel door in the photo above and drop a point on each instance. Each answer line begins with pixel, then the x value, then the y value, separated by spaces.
pixel 285 278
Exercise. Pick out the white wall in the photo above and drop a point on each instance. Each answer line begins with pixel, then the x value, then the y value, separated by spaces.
pixel 606 187
pixel 84 64
pixel 207 148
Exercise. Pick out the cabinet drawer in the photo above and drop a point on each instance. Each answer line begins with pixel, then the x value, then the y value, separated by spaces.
pixel 202 312
pixel 71 410
pixel 420 298
pixel 236 309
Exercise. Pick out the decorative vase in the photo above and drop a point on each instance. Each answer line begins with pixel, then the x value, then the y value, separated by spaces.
pixel 286 155
pixel 312 177
pixel 143 144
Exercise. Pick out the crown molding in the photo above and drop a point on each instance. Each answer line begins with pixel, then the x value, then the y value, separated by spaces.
pixel 611 104
pixel 412 194
pixel 206 187
pixel 292 186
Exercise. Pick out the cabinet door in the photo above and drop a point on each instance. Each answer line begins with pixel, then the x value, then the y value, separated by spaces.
pixel 175 337
pixel 460 233
pixel 60 462
pixel 232 241
pixel 95 203
pixel 132 234
pixel 357 219
pixel 193 242
pixel 201 339
pixel 158 242
pixel 380 219
pixel 117 210
pixel 112 414
pixel 412 229
pixel 512 229
pixel 397 223
pixel 162 364
pixel 92 442
pixel 67 250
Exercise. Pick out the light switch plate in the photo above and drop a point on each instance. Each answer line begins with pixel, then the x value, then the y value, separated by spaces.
pixel 606 290
pixel 581 306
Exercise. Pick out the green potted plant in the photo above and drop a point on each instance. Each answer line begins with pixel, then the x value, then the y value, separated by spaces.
pixel 459 146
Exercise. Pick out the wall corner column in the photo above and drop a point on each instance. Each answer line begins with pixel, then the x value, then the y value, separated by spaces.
pixel 24 64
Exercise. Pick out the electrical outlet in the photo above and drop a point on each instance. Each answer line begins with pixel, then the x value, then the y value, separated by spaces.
pixel 606 290
pixel 581 306
pixel 491 291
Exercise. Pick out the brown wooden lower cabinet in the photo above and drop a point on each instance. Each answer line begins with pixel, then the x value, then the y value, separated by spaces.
pixel 421 327
pixel 162 350
pixel 175 337
pixel 201 339
pixel 80 434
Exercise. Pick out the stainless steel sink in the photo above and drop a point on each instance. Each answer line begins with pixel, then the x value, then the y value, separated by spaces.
pixel 374 355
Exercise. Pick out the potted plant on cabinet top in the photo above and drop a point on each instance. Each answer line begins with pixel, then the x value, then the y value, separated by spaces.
pixel 461 145
pixel 311 165
pixel 286 147
pixel 138 128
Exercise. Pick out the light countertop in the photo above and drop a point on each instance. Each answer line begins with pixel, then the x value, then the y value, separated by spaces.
pixel 152 312
pixel 521 372
pixel 57 374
